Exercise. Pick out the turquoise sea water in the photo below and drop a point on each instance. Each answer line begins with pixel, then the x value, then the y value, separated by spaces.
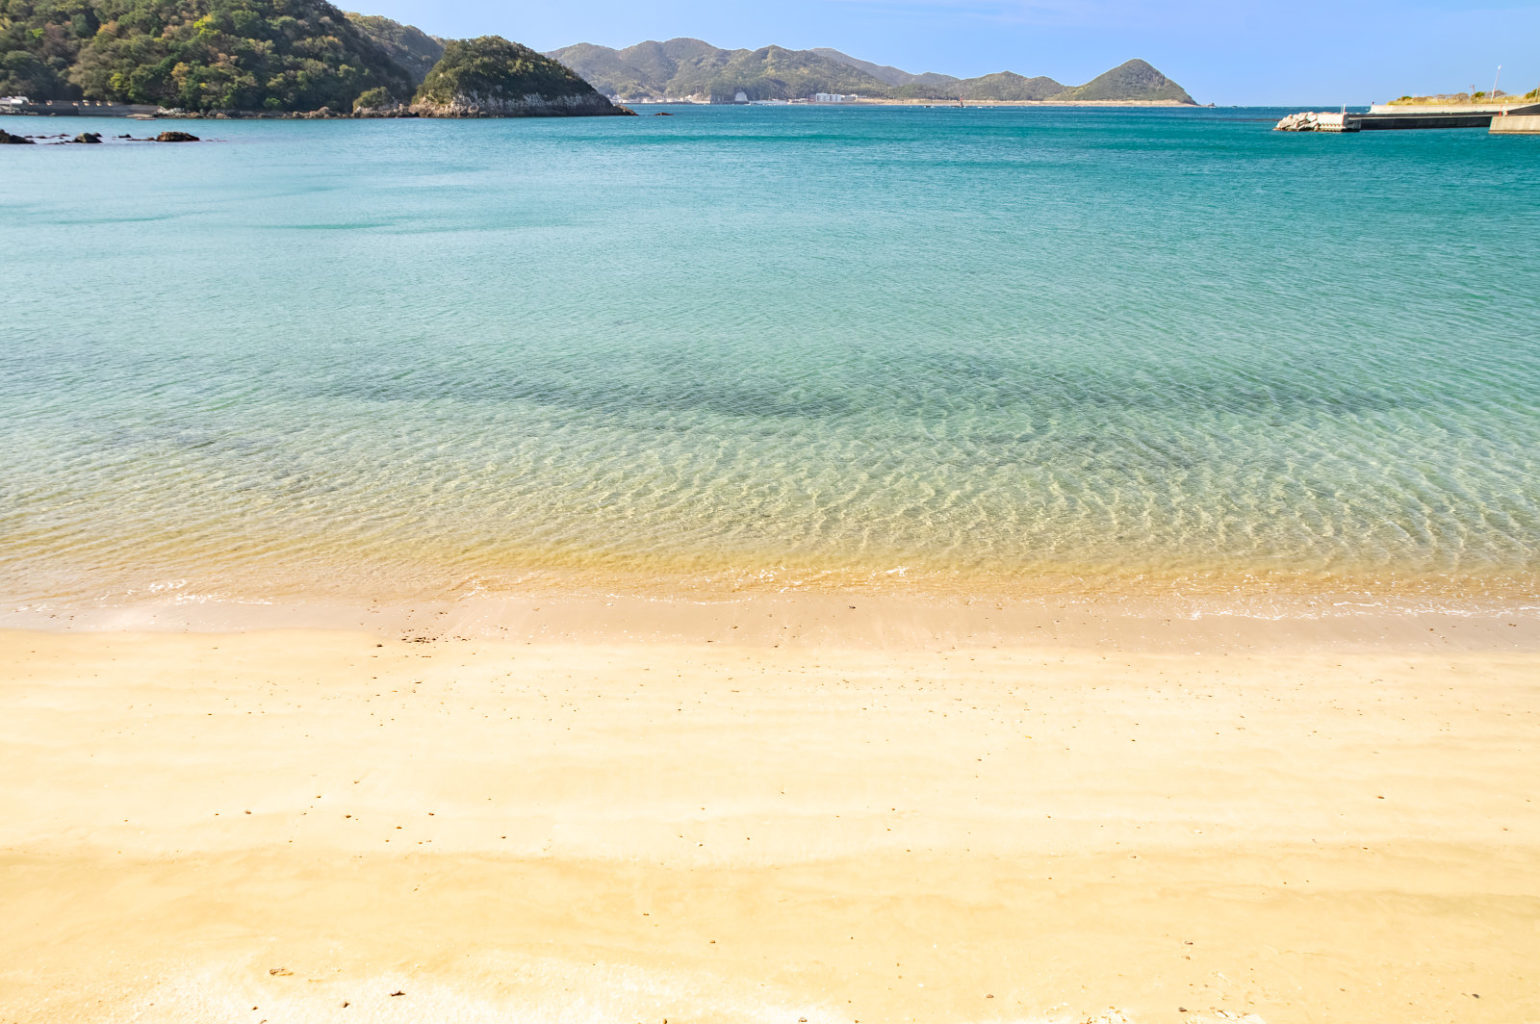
pixel 1031 349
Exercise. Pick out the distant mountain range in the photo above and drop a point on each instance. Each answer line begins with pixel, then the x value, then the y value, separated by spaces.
pixel 696 70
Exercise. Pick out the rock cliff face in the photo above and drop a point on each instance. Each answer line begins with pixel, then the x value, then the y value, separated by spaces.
pixel 492 77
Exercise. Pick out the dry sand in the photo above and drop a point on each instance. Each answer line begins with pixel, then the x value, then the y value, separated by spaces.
pixel 909 823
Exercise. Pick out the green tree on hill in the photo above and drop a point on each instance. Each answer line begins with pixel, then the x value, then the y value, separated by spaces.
pixel 39 42
pixel 196 54
pixel 493 67
pixel 407 45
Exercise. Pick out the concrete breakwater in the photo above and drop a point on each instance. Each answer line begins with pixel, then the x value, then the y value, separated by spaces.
pixel 1516 124
pixel 1393 118
pixel 1314 121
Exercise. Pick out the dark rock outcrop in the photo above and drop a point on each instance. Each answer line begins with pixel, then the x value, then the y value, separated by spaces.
pixel 89 138
pixel 175 137
pixel 7 139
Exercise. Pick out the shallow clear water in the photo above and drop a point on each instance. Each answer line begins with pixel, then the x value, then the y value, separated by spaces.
pixel 1042 349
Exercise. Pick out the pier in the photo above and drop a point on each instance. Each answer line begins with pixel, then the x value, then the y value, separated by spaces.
pixel 1390 117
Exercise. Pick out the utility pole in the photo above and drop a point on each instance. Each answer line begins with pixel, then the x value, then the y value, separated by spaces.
pixel 1495 79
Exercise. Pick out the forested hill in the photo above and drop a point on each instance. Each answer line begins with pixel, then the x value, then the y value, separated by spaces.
pixel 193 54
pixel 693 69
pixel 407 45
pixel 266 55
pixel 1135 78
pixel 492 77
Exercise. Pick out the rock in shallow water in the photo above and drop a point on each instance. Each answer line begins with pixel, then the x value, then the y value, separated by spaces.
pixel 175 137
pixel 7 139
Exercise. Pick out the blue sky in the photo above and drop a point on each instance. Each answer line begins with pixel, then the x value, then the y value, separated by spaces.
pixel 1237 52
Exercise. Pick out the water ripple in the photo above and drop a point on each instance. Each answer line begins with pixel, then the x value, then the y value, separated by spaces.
pixel 1035 347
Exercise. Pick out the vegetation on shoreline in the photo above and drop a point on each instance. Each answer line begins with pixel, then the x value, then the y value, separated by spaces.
pixel 1462 98
pixel 199 55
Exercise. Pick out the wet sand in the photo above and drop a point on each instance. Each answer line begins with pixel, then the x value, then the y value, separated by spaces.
pixel 599 816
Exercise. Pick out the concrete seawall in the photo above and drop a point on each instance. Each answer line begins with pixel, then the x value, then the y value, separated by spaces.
pixel 76 108
pixel 1527 124
pixel 1408 120
pixel 1408 117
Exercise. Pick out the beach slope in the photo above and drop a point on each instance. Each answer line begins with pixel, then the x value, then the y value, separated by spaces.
pixel 306 826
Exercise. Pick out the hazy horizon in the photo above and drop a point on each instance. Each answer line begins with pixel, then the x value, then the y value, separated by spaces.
pixel 1309 51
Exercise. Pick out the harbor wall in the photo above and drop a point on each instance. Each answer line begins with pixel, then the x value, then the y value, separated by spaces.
pixel 1525 124
pixel 75 108
pixel 1421 119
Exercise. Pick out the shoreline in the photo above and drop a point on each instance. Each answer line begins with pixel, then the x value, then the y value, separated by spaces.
pixel 842 619
pixel 935 102
pixel 376 115
pixel 1015 103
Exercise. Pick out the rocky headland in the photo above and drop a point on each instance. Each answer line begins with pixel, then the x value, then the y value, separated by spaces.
pixel 493 77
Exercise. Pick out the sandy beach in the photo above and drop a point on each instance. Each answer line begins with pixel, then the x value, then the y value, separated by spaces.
pixel 1043 566
pixel 899 818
